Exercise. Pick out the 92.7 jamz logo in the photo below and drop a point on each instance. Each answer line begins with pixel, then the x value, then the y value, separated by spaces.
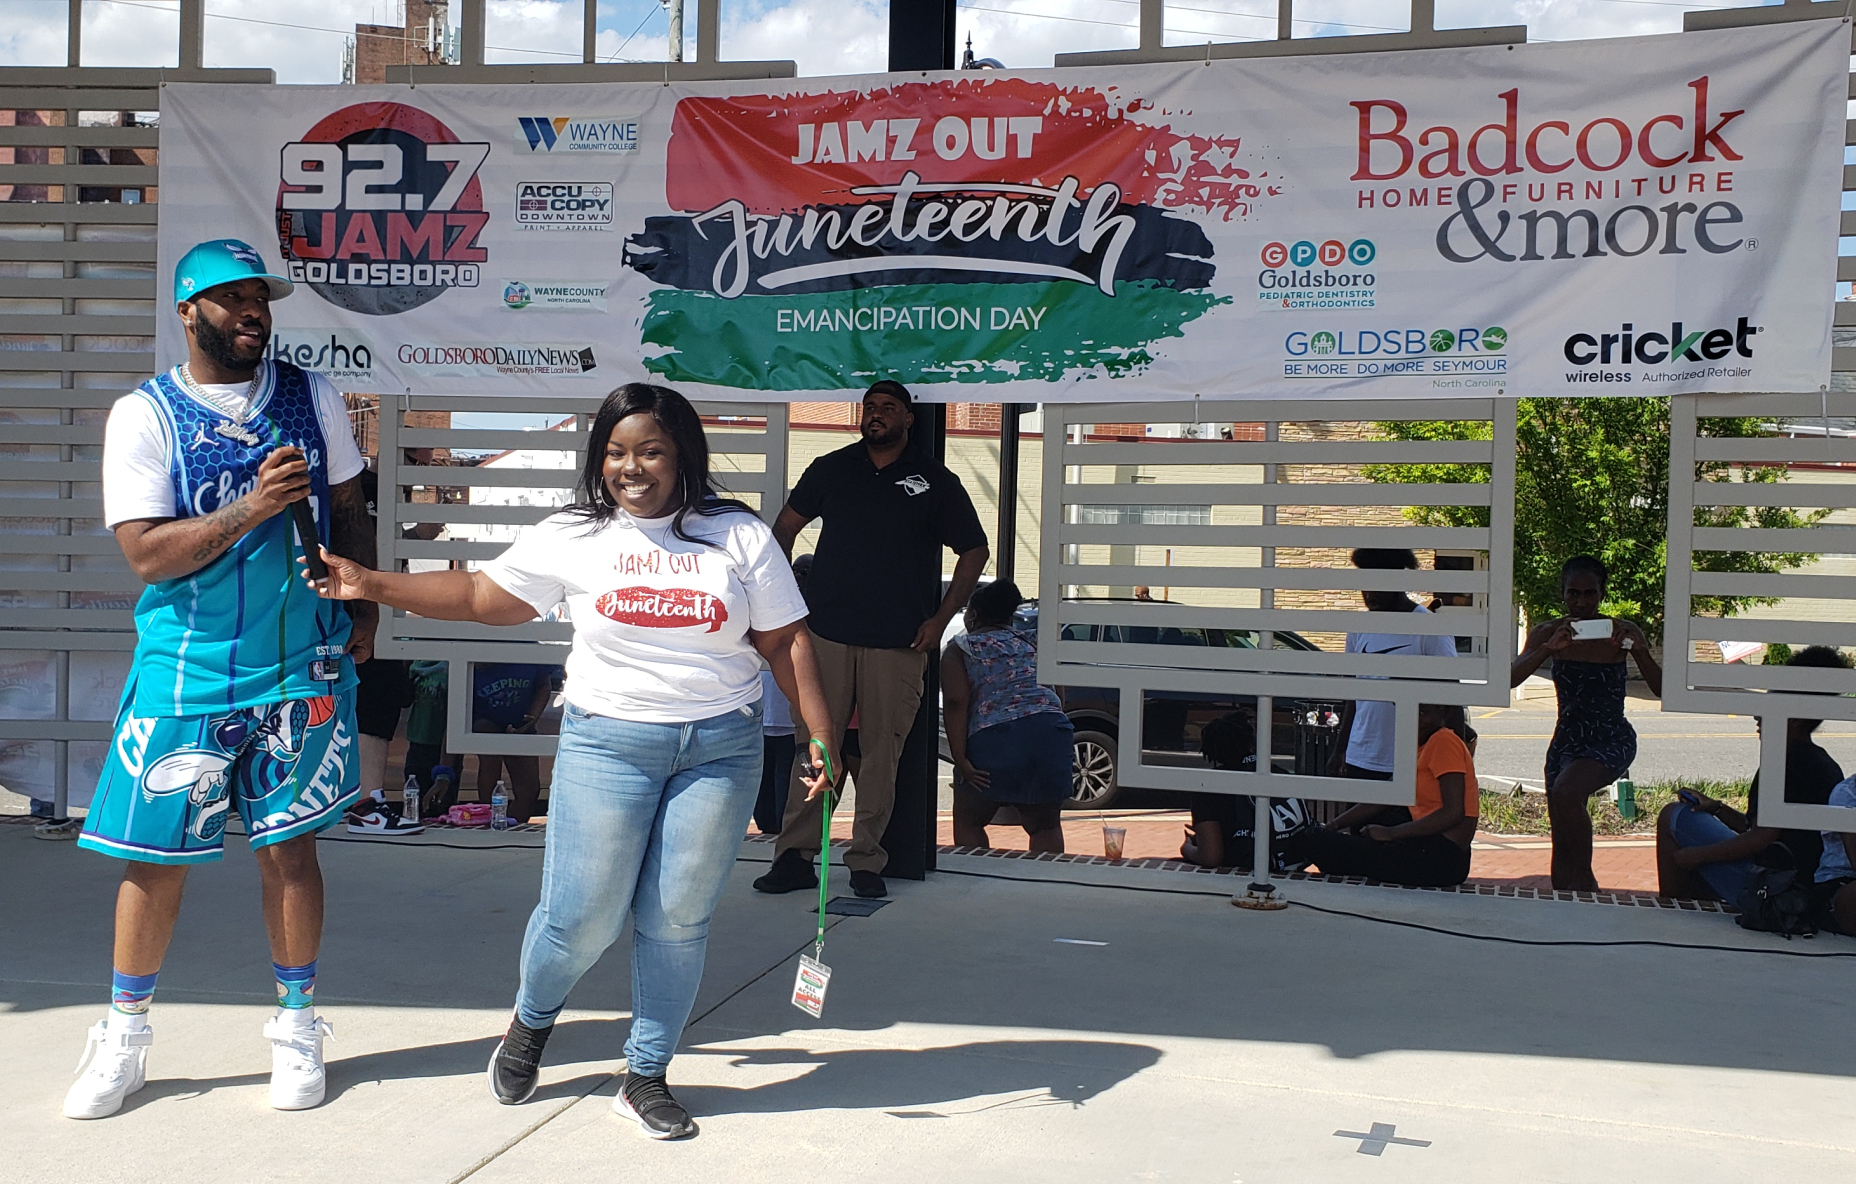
pixel 379 209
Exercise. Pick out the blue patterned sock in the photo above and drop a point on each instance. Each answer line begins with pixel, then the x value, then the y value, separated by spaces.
pixel 296 986
pixel 131 994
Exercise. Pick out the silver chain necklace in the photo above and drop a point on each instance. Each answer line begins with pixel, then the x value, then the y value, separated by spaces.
pixel 218 402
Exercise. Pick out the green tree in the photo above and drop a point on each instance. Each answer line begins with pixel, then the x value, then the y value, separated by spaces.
pixel 1592 477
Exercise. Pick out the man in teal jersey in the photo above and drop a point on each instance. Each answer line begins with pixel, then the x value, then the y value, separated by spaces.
pixel 241 696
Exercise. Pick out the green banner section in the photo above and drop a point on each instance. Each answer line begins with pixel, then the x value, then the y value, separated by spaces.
pixel 915 333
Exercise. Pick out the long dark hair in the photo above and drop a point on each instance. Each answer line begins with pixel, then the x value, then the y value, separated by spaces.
pixel 696 492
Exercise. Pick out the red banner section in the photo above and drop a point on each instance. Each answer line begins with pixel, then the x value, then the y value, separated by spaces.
pixel 780 153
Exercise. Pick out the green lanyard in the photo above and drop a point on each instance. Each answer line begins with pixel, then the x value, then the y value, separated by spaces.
pixel 824 847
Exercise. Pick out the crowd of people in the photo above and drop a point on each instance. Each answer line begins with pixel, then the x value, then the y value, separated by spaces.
pixel 688 615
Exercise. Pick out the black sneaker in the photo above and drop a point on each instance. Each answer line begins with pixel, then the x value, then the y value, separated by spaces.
pixel 515 1066
pixel 648 1100
pixel 790 872
pixel 868 884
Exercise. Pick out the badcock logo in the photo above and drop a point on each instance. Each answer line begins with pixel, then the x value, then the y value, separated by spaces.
pixel 961 230
pixel 663 608
pixel 379 209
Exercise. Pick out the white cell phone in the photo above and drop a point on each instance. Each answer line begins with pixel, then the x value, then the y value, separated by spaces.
pixel 1596 629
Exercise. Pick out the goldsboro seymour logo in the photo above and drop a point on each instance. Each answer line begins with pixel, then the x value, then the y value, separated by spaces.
pixel 379 209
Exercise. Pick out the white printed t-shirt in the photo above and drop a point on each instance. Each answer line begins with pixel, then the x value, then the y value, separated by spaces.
pixel 660 623
pixel 1370 745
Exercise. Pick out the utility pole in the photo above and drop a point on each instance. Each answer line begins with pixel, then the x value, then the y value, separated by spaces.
pixel 675 9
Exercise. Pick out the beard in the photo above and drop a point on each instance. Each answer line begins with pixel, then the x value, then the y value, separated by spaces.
pixel 884 437
pixel 223 348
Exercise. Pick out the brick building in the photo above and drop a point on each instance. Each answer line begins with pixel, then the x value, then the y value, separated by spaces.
pixel 419 40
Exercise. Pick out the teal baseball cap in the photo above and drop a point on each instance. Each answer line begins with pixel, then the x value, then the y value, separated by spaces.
pixel 224 261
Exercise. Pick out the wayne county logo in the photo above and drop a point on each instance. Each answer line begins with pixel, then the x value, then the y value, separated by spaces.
pixel 576 133
pixel 556 295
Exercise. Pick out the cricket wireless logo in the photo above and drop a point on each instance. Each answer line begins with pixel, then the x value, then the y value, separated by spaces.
pixel 979 230
pixel 379 209
pixel 1685 153
pixel 1631 346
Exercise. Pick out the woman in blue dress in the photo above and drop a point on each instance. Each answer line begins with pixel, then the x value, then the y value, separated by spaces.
pixel 1593 744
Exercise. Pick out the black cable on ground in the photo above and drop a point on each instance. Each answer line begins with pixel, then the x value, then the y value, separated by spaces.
pixel 1439 930
pixel 1514 941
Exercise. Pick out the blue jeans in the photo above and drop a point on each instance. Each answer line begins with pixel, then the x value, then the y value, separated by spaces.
pixel 644 821
pixel 1689 827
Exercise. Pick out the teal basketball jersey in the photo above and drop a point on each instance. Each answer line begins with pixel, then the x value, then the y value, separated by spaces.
pixel 244 630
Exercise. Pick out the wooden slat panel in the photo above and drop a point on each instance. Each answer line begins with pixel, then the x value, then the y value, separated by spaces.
pixel 1296 620
pixel 95 361
pixel 84 323
pixel 1286 661
pixel 1781 493
pixel 1835 540
pixel 1280 494
pixel 80 289
pixel 1350 579
pixel 108 176
pixel 50 433
pixel 86 137
pixel 1742 583
pixel 1471 538
pixel 1258 452
pixel 96 213
pixel 107 252
pixel 1764 629
pixel 79 98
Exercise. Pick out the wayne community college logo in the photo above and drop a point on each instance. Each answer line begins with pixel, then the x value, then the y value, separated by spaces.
pixel 379 209
pixel 576 133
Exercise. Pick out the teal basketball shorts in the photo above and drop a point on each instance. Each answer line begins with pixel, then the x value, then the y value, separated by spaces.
pixel 169 783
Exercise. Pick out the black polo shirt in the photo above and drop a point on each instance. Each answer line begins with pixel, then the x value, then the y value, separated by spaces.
pixel 876 575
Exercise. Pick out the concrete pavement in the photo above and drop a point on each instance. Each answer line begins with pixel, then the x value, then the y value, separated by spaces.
pixel 961 1038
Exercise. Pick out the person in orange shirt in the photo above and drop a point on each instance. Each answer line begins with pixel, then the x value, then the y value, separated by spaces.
pixel 1431 849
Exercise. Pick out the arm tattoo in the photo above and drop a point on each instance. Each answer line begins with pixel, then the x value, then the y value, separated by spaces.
pixel 351 531
pixel 225 526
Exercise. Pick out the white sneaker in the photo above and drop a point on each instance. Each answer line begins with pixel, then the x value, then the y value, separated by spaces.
pixel 118 1066
pixel 297 1078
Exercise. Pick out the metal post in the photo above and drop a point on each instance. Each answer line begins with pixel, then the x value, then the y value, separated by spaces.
pixel 675 12
pixel 192 34
pixel 1285 19
pixel 1005 546
pixel 921 35
pixel 1261 894
pixel 589 32
pixel 708 30
pixel 910 838
pixel 470 33
pixel 74 33
pixel 1423 16
pixel 1153 24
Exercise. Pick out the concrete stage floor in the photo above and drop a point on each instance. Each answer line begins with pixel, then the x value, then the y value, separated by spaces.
pixel 962 1039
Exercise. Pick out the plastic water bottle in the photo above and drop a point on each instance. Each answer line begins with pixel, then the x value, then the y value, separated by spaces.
pixel 499 807
pixel 409 800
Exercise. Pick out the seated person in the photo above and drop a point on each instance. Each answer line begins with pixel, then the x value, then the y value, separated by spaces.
pixel 1836 869
pixel 1429 851
pixel 1222 831
pixel 1707 850
pixel 1009 738
pixel 511 698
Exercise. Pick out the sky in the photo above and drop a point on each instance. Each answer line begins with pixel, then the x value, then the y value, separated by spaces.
pixel 302 39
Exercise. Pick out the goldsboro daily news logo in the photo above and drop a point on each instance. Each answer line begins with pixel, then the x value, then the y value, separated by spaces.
pixel 576 133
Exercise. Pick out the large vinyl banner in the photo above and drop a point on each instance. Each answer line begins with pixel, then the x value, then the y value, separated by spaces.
pixel 1652 215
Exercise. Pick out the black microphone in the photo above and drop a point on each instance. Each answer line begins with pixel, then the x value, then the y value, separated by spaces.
pixel 312 541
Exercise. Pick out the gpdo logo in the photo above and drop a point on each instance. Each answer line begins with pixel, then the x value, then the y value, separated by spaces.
pixel 1330 253
pixel 379 209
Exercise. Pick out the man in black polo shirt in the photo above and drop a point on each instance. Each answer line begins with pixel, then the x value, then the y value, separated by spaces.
pixel 888 509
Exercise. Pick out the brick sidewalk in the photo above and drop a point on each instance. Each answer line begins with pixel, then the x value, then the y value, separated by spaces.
pixel 1625 864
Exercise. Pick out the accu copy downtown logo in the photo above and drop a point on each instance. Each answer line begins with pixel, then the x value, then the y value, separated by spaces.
pixel 970 230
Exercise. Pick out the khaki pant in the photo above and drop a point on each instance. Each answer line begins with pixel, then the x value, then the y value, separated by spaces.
pixel 884 687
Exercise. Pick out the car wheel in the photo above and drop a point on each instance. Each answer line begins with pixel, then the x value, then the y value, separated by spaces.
pixel 1093 785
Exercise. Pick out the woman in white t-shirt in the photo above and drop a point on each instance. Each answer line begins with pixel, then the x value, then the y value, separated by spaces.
pixel 675 595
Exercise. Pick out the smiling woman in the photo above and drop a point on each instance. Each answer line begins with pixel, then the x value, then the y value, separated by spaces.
pixel 676 595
